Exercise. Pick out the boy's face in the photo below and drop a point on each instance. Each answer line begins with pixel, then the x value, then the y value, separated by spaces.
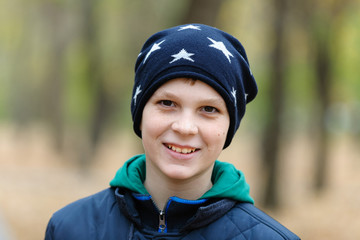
pixel 184 128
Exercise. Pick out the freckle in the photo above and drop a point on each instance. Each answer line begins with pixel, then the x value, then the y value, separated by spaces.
pixel 218 134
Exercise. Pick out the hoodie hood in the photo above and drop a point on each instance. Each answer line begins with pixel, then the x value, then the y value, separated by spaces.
pixel 228 182
pixel 131 175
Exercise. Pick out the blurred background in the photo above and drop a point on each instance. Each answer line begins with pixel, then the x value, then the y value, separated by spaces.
pixel 66 75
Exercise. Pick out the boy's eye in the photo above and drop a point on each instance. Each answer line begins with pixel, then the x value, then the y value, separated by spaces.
pixel 210 109
pixel 167 103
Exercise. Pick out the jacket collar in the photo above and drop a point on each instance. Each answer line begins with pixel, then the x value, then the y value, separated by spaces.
pixel 180 215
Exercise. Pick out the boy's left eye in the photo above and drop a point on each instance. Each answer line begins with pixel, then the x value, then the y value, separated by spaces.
pixel 210 109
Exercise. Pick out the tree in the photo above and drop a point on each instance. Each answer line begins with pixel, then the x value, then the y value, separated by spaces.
pixel 272 132
pixel 322 35
pixel 202 11
pixel 95 79
pixel 54 82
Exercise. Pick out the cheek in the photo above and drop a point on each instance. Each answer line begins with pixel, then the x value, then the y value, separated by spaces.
pixel 152 124
pixel 216 134
pixel 148 128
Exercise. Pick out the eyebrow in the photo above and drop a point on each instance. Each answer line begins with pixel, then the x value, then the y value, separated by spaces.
pixel 213 101
pixel 217 101
pixel 165 94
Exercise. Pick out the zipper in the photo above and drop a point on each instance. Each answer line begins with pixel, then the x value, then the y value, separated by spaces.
pixel 162 219
pixel 162 223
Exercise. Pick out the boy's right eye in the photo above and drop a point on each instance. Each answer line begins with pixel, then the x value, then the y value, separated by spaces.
pixel 166 103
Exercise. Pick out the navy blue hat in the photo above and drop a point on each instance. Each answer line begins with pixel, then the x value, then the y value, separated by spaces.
pixel 199 52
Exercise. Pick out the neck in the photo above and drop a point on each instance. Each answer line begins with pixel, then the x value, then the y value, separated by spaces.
pixel 161 187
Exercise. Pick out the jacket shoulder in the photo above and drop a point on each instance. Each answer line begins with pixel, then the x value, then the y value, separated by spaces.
pixel 255 224
pixel 87 205
pixel 84 218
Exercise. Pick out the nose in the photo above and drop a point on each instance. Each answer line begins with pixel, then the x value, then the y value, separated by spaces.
pixel 185 124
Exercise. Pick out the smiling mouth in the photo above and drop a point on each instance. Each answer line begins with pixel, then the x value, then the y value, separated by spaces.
pixel 180 150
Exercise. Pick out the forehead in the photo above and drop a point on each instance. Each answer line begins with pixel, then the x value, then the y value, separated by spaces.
pixel 190 86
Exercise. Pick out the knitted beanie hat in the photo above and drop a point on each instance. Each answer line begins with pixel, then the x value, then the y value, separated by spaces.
pixel 199 52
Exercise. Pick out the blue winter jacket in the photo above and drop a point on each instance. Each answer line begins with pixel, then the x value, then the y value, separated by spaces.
pixel 119 214
pixel 126 211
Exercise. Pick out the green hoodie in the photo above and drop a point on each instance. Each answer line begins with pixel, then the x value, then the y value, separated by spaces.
pixel 228 182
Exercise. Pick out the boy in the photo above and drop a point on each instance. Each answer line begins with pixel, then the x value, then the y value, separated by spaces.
pixel 192 84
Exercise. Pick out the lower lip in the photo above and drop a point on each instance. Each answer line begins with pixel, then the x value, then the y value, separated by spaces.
pixel 181 156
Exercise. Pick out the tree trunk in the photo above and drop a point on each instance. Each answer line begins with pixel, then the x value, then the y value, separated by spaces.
pixel 324 23
pixel 96 81
pixel 323 84
pixel 53 88
pixel 272 132
pixel 202 11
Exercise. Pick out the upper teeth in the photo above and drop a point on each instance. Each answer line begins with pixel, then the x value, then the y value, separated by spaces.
pixel 181 150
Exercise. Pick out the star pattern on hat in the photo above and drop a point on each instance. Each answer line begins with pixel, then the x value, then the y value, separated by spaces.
pixel 154 47
pixel 137 92
pixel 220 46
pixel 189 27
pixel 233 93
pixel 183 54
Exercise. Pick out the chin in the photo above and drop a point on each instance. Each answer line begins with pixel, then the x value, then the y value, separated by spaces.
pixel 179 173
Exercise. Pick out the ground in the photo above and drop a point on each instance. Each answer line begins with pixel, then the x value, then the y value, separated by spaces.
pixel 35 181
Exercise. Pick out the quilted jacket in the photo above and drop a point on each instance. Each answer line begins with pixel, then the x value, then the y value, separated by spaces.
pixel 126 211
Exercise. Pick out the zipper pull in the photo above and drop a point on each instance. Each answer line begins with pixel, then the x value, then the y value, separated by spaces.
pixel 162 223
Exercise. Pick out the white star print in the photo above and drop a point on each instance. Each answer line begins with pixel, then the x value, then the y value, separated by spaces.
pixel 220 46
pixel 182 54
pixel 138 90
pixel 189 27
pixel 155 46
pixel 233 93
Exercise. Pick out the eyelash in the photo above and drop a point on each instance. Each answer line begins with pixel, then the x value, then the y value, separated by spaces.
pixel 166 103
pixel 213 109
